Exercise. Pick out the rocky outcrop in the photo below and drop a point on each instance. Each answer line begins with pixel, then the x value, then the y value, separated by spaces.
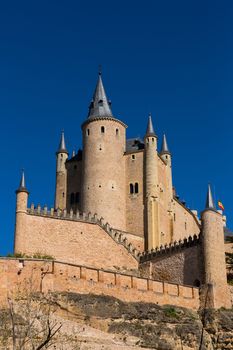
pixel 102 322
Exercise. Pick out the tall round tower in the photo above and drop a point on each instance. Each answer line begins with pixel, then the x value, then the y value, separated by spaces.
pixel 152 232
pixel 103 175
pixel 21 215
pixel 216 289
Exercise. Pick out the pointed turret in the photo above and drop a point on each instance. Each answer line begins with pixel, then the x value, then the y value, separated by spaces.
pixel 150 128
pixel 100 106
pixel 164 148
pixel 22 184
pixel 61 174
pixel 209 200
pixel 215 288
pixel 62 145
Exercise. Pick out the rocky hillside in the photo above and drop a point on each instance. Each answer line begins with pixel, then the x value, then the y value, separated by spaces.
pixel 101 322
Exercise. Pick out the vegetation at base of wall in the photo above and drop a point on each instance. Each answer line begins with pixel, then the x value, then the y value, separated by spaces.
pixel 37 255
pixel 171 312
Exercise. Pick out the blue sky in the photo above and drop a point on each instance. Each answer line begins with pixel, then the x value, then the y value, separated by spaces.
pixel 170 58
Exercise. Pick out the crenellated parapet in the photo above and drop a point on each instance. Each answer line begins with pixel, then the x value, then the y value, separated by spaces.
pixel 117 235
pixel 171 248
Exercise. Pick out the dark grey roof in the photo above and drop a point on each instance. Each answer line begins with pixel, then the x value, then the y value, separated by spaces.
pixel 22 184
pixel 164 148
pixel 209 200
pixel 150 128
pixel 77 157
pixel 100 106
pixel 134 144
pixel 62 145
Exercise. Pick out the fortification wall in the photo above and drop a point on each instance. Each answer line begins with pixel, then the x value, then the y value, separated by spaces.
pixel 52 276
pixel 134 201
pixel 74 240
pixel 178 263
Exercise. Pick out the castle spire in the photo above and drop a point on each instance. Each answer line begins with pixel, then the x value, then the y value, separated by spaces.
pixel 209 199
pixel 22 184
pixel 164 148
pixel 62 145
pixel 150 128
pixel 100 106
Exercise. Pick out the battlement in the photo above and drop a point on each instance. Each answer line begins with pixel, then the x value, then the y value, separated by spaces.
pixel 58 276
pixel 117 235
pixel 169 249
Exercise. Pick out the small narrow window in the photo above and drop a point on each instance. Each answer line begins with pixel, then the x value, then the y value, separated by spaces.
pixel 77 197
pixel 117 132
pixel 131 189
pixel 174 216
pixel 63 194
pixel 136 187
pixel 88 132
pixel 153 139
pixel 133 157
pixel 102 129
pixel 185 225
pixel 72 198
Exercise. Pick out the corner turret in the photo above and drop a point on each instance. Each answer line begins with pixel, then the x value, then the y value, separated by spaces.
pixel 61 174
pixel 216 291
pixel 21 213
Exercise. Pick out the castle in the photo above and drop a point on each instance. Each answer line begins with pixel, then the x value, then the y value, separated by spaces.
pixel 116 214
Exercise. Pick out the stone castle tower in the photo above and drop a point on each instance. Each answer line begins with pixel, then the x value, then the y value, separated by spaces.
pixel 127 182
pixel 115 208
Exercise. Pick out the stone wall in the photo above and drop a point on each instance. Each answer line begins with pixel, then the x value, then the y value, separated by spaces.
pixel 179 263
pixel 134 202
pixel 71 240
pixel 62 277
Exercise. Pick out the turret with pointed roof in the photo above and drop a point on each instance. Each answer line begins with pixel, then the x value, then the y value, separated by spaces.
pixel 209 199
pixel 150 129
pixel 61 174
pixel 164 148
pixel 62 144
pixel 22 184
pixel 100 106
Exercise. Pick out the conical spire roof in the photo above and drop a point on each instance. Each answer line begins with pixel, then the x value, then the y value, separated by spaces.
pixel 22 184
pixel 62 145
pixel 209 199
pixel 164 148
pixel 150 128
pixel 100 106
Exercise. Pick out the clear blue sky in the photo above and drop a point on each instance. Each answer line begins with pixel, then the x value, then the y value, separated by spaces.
pixel 173 58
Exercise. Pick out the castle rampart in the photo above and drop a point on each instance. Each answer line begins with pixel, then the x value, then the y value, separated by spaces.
pixel 75 237
pixel 179 262
pixel 55 276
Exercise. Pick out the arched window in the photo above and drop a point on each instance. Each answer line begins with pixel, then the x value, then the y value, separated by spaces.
pixel 72 198
pixel 131 189
pixel 102 129
pixel 136 187
pixel 88 132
